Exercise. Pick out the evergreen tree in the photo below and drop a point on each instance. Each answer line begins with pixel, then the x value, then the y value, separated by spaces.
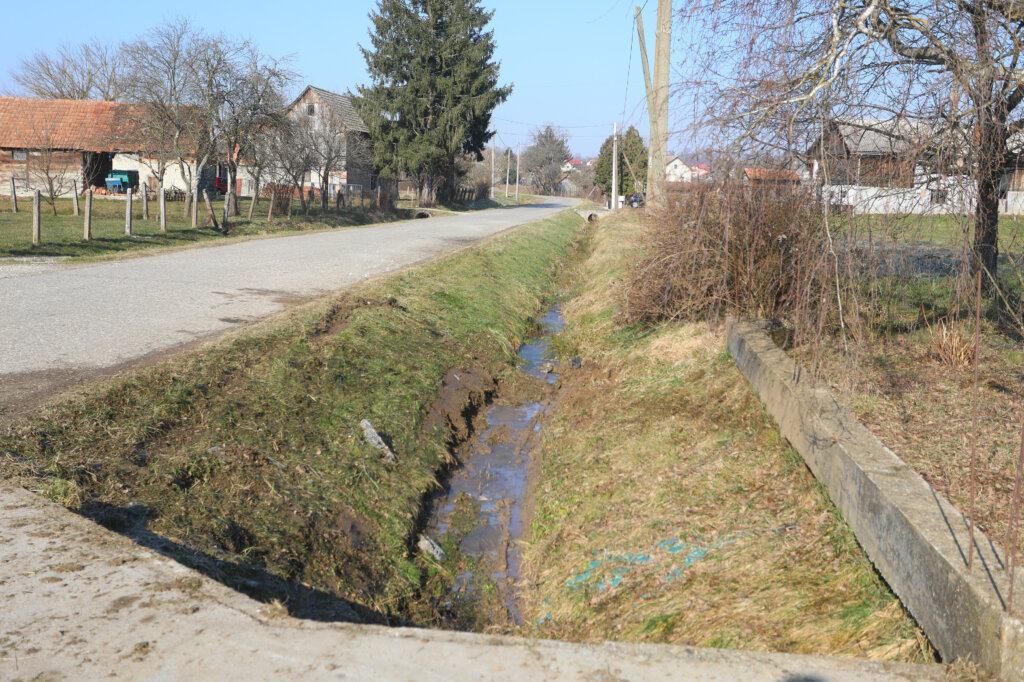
pixel 632 164
pixel 433 88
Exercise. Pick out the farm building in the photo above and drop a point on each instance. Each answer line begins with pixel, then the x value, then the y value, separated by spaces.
pixel 333 115
pixel 888 167
pixel 776 177
pixel 69 143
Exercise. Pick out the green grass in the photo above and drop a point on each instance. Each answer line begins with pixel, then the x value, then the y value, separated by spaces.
pixel 942 230
pixel 62 235
pixel 248 458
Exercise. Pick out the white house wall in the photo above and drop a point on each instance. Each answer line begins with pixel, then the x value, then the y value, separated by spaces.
pixel 917 200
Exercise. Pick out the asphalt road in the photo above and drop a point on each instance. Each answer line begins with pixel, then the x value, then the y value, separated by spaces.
pixel 58 321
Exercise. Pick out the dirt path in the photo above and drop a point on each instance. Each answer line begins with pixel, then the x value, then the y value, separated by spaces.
pixel 65 324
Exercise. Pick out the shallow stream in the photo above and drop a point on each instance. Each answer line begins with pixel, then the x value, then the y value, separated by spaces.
pixel 498 475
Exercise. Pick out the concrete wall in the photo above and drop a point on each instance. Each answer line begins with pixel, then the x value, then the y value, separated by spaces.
pixel 917 540
pixel 958 197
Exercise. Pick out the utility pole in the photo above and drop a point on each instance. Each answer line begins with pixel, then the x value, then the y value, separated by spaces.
pixel 494 136
pixel 519 147
pixel 508 170
pixel 615 167
pixel 657 98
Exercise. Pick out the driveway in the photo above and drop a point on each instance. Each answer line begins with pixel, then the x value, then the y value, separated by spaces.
pixel 61 324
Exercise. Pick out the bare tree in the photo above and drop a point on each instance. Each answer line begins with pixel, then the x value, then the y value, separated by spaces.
pixel 92 70
pixel 777 72
pixel 544 158
pixel 53 168
pixel 252 107
pixel 293 158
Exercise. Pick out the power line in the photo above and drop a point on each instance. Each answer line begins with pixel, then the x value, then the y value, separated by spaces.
pixel 538 125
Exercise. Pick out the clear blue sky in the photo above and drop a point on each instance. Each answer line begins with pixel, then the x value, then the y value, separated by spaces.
pixel 568 59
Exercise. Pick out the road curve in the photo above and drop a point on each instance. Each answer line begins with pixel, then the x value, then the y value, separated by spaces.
pixel 57 319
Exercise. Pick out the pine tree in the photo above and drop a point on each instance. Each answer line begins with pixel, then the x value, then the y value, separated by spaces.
pixel 632 164
pixel 433 89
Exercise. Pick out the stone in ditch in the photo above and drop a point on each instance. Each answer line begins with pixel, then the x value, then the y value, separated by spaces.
pixel 374 439
pixel 430 546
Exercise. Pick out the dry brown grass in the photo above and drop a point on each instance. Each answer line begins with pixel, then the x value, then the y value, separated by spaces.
pixel 952 343
pixel 669 509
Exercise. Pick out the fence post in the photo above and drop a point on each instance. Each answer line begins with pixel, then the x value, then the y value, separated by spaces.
pixel 87 231
pixel 37 237
pixel 209 209
pixel 163 211
pixel 145 203
pixel 128 213
pixel 14 198
pixel 74 187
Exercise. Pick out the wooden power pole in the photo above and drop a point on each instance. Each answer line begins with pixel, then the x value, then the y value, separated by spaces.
pixel 657 98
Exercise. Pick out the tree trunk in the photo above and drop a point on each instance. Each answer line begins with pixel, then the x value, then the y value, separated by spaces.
pixel 324 177
pixel 255 199
pixel 991 153
pixel 986 223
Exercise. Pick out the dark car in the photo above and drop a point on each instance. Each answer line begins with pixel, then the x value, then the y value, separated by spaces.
pixel 635 200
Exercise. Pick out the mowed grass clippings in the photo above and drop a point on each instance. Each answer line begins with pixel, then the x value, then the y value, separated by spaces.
pixel 247 459
pixel 669 510
pixel 62 235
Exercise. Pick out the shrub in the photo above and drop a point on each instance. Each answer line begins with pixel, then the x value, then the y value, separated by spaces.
pixel 740 251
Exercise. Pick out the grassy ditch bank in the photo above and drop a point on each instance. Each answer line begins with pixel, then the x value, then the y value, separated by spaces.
pixel 247 460
pixel 669 509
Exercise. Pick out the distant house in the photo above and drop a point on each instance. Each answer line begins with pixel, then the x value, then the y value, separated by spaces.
pixel 677 171
pixel 777 177
pixel 354 168
pixel 571 165
pixel 701 171
pixel 887 166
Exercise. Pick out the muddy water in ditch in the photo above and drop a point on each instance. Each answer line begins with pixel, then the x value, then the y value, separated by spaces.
pixel 497 474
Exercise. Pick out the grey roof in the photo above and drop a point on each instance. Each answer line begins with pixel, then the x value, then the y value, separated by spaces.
pixel 340 105
pixel 879 137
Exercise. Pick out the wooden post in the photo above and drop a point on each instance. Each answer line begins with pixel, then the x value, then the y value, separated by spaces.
pixel 145 203
pixel 74 187
pixel 87 230
pixel 255 200
pixel 209 209
pixel 14 198
pixel 128 213
pixel 163 211
pixel 37 237
pixel 273 198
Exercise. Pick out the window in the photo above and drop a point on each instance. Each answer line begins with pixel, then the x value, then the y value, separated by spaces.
pixel 310 109
pixel 19 155
pixel 940 196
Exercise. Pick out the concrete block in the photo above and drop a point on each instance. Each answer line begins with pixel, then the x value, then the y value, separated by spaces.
pixel 915 537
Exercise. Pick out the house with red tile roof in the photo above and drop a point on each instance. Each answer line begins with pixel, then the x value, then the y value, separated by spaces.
pixel 79 140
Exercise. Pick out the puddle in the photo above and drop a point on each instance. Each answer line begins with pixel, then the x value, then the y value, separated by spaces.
pixel 497 476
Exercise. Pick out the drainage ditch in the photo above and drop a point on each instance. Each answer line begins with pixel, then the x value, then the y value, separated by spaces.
pixel 485 509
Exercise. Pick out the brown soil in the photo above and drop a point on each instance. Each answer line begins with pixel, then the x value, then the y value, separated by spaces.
pixel 463 393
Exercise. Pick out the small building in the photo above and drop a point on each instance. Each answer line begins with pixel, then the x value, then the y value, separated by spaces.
pixel 572 165
pixel 775 177
pixel 74 143
pixel 354 167
pixel 889 166
pixel 676 170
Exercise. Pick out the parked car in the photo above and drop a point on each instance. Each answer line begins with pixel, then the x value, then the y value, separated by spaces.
pixel 635 200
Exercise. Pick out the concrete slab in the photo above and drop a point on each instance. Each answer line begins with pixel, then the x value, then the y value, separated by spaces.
pixel 917 540
pixel 80 602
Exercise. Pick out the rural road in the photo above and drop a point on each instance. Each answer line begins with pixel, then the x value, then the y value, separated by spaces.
pixel 62 323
